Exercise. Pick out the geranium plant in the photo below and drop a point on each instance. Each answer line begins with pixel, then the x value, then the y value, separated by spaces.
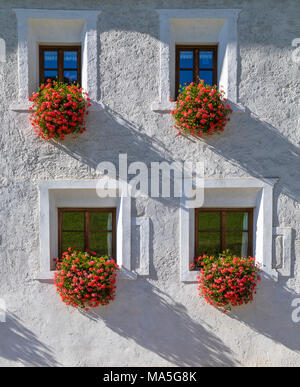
pixel 84 280
pixel 227 281
pixel 58 109
pixel 200 109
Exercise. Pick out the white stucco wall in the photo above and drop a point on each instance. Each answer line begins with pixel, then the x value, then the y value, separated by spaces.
pixel 156 319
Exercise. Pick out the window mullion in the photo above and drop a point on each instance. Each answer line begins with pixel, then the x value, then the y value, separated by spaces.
pixel 215 66
pixel 87 230
pixel 223 230
pixel 60 232
pixel 60 65
pixel 196 64
pixel 197 233
pixel 250 232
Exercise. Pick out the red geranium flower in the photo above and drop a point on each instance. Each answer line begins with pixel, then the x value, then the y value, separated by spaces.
pixel 227 281
pixel 78 282
pixel 200 110
pixel 58 110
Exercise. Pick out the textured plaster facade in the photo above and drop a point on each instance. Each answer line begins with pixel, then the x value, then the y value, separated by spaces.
pixel 156 319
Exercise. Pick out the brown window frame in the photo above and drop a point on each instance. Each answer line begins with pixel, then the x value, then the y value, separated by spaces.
pixel 60 61
pixel 223 228
pixel 87 230
pixel 196 69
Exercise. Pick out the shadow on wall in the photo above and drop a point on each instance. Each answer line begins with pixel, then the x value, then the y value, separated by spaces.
pixel 158 324
pixel 261 151
pixel 21 345
pixel 108 135
pixel 271 315
pixel 249 143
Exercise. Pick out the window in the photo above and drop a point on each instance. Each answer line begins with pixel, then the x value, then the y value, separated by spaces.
pixel 87 229
pixel 196 61
pixel 61 63
pixel 221 229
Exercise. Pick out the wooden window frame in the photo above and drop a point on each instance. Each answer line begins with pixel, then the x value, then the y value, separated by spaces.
pixel 196 68
pixel 223 228
pixel 60 61
pixel 87 230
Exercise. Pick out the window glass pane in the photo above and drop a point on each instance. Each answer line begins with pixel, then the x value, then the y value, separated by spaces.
pixel 101 221
pixel 70 76
pixel 186 76
pixel 70 59
pixel 50 74
pixel 206 59
pixel 50 59
pixel 207 77
pixel 101 243
pixel 73 221
pixel 72 239
pixel 237 221
pixel 186 59
pixel 209 243
pixel 209 221
pixel 237 243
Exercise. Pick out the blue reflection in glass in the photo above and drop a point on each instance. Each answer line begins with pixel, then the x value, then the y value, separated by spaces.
pixel 206 59
pixel 50 59
pixel 50 74
pixel 70 59
pixel 207 77
pixel 186 59
pixel 70 76
pixel 186 76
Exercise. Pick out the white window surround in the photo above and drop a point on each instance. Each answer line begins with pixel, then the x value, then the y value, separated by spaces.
pixel 237 192
pixel 227 40
pixel 144 224
pixel 74 193
pixel 285 269
pixel 39 26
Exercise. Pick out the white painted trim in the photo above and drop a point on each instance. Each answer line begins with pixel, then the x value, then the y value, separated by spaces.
pixel 144 225
pixel 89 49
pixel 123 226
pixel 263 224
pixel 230 46
pixel 286 232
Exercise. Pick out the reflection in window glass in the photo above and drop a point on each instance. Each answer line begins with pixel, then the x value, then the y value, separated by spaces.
pixel 186 76
pixel 101 243
pixel 186 59
pixel 88 229
pixel 70 76
pixel 224 229
pixel 209 221
pixel 209 243
pixel 50 74
pixel 205 59
pixel 237 243
pixel 237 221
pixel 73 221
pixel 60 63
pixel 70 59
pixel 50 59
pixel 207 77
pixel 72 239
pixel 101 221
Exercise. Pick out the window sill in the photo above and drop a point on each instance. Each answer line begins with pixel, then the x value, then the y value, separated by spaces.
pixel 23 106
pixel 189 276
pixel 49 276
pixel 166 107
